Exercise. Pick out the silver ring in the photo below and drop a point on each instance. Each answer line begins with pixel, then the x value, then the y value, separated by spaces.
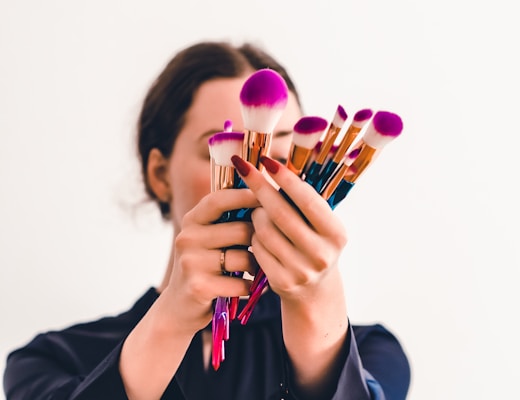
pixel 223 261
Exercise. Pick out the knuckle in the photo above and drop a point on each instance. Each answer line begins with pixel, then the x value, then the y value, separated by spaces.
pixel 184 261
pixel 244 231
pixel 183 240
pixel 340 239
pixel 197 288
pixel 323 259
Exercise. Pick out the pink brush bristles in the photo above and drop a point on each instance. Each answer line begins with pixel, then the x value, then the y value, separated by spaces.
pixel 263 98
pixel 385 127
pixel 224 145
pixel 340 116
pixel 228 125
pixel 306 134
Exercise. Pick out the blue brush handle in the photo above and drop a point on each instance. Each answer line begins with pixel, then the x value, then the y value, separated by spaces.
pixel 325 175
pixel 340 193
pixel 242 214
pixel 312 175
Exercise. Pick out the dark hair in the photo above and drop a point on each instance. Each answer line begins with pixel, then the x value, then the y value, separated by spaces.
pixel 170 96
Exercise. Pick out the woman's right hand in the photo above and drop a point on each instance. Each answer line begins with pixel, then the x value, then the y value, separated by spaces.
pixel 155 348
pixel 196 277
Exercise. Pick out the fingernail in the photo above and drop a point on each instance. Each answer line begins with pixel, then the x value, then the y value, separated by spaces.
pixel 269 164
pixel 241 166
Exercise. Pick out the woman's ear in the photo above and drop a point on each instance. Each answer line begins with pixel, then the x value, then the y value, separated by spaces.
pixel 157 175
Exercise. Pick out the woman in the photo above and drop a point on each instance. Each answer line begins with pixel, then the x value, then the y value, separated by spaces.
pixel 298 343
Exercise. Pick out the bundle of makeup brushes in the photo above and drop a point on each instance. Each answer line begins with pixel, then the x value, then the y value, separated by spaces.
pixel 329 156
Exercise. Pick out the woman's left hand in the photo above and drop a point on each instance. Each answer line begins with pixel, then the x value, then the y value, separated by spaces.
pixel 296 248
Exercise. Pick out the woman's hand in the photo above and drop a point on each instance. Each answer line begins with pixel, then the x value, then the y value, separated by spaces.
pixel 196 278
pixel 155 348
pixel 298 249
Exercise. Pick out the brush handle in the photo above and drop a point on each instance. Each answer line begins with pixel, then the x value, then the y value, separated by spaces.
pixel 325 175
pixel 312 175
pixel 241 214
pixel 260 281
pixel 340 193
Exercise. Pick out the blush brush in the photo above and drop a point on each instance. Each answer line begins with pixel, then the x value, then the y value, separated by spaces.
pixel 263 99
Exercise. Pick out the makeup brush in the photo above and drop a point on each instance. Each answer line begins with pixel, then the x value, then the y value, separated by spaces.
pixel 263 99
pixel 222 146
pixel 228 125
pixel 314 155
pixel 306 134
pixel 337 188
pixel 220 331
pixel 358 123
pixel 312 175
pixel 384 128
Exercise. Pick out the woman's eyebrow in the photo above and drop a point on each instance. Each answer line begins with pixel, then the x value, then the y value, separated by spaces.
pixel 279 134
pixel 208 133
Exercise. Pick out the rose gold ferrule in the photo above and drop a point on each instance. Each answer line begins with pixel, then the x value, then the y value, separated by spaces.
pixel 346 142
pixel 334 182
pixel 298 157
pixel 256 145
pixel 328 142
pixel 362 161
pixel 222 177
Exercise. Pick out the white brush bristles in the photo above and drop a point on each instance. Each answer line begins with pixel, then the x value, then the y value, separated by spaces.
pixel 375 139
pixel 222 151
pixel 338 121
pixel 306 140
pixel 262 119
pixel 360 124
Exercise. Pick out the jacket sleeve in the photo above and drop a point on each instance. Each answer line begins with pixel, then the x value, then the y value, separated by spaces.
pixel 32 374
pixel 375 367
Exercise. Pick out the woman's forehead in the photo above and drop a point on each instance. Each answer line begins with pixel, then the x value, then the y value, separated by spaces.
pixel 218 100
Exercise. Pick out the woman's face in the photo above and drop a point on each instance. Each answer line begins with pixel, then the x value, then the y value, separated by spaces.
pixel 214 102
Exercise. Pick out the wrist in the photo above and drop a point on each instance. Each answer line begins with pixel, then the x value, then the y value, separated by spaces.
pixel 171 317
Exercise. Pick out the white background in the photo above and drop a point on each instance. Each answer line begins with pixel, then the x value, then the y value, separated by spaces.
pixel 433 225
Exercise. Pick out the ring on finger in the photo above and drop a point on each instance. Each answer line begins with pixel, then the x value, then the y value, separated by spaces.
pixel 223 261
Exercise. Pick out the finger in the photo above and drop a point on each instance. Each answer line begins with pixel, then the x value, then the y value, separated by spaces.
pixel 276 243
pixel 284 215
pixel 236 261
pixel 282 279
pixel 314 208
pixel 304 196
pixel 215 236
pixel 272 267
pixel 226 286
pixel 212 206
pixel 316 255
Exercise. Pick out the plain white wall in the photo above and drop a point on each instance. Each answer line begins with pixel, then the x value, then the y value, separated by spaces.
pixel 433 225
